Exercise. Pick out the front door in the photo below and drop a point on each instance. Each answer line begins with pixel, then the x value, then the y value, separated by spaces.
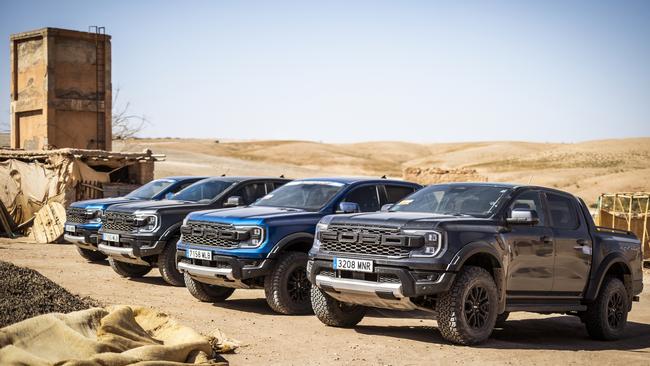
pixel 530 247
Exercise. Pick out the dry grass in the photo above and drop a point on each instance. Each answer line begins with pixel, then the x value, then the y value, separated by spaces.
pixel 586 169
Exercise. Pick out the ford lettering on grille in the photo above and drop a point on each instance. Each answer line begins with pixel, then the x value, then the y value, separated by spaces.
pixel 212 234
pixel 372 240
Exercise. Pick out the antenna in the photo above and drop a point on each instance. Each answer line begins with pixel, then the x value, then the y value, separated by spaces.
pixel 530 179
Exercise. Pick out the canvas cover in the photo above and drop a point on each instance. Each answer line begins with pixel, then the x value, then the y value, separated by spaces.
pixel 112 336
pixel 26 187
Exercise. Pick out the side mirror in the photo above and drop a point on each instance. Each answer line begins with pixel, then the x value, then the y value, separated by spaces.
pixel 169 195
pixel 521 216
pixel 234 201
pixel 386 207
pixel 348 207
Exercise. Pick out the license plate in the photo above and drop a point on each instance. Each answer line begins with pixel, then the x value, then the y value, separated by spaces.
pixel 199 254
pixel 71 228
pixel 358 265
pixel 111 237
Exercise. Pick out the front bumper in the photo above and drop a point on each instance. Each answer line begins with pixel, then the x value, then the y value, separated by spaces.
pixel 387 287
pixel 82 237
pixel 223 267
pixel 132 247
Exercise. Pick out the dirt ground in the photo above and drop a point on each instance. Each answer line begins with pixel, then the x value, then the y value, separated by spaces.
pixel 379 339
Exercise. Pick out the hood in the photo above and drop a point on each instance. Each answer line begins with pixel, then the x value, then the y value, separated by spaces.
pixel 253 213
pixel 103 203
pixel 157 205
pixel 411 220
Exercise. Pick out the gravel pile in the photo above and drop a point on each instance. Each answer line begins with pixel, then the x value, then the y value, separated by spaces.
pixel 25 293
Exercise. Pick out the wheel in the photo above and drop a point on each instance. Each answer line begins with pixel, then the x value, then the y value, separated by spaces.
pixel 167 264
pixel 468 312
pixel 501 319
pixel 127 269
pixel 206 292
pixel 287 286
pixel 606 317
pixel 333 312
pixel 91 255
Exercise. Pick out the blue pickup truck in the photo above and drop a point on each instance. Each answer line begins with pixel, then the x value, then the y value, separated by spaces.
pixel 265 244
pixel 83 218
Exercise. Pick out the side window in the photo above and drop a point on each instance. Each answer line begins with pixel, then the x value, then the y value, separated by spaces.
pixel 396 193
pixel 277 185
pixel 563 212
pixel 366 197
pixel 251 192
pixel 530 200
pixel 180 187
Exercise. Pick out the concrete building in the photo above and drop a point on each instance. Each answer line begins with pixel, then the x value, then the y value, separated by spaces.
pixel 60 89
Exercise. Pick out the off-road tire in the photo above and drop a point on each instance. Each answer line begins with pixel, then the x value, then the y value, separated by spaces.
pixel 501 319
pixel 206 292
pixel 167 264
pixel 287 288
pixel 333 312
pixel 454 323
pixel 91 255
pixel 606 317
pixel 128 270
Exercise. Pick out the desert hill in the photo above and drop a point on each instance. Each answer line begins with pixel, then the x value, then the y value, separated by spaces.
pixel 586 169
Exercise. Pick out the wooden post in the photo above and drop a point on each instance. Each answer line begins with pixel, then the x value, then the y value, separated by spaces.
pixel 645 226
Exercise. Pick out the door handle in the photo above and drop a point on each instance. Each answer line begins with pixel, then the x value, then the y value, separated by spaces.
pixel 546 239
pixel 582 242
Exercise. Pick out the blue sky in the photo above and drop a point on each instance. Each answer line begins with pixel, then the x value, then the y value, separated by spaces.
pixel 343 71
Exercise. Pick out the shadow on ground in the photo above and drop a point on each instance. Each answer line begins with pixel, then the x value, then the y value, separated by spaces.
pixel 557 333
pixel 153 280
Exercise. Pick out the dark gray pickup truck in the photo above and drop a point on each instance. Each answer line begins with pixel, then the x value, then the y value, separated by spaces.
pixel 470 253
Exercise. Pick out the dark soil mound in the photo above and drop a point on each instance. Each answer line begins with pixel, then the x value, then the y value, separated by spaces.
pixel 25 293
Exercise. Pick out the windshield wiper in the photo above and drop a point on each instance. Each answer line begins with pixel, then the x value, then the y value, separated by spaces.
pixel 457 214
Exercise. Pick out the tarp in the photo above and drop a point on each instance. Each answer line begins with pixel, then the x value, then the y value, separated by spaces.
pixel 26 187
pixel 112 336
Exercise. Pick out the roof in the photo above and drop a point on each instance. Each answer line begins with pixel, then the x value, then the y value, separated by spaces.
pixel 49 31
pixel 236 179
pixel 82 154
pixel 352 180
pixel 184 177
pixel 481 184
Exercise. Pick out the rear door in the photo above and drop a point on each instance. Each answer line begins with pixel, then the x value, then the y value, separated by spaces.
pixel 573 245
pixel 531 249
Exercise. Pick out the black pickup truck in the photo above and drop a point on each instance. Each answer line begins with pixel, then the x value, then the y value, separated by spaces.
pixel 470 253
pixel 138 236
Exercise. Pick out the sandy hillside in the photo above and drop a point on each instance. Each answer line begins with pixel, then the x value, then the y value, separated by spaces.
pixel 587 168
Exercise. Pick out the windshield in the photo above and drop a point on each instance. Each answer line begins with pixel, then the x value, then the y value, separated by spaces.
pixel 150 190
pixel 448 199
pixel 306 195
pixel 202 191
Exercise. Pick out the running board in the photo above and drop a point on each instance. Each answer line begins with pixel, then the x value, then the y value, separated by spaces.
pixel 545 308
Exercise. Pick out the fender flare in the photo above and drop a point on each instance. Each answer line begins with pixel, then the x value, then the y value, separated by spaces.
pixel 170 231
pixel 597 278
pixel 279 247
pixel 481 247
pixel 471 249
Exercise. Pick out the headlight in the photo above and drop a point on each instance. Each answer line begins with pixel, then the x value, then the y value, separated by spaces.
pixel 321 226
pixel 252 236
pixel 433 243
pixel 94 215
pixel 146 222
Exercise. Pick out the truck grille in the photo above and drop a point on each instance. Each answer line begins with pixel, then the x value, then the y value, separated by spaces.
pixel 76 215
pixel 364 239
pixel 118 221
pixel 209 233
